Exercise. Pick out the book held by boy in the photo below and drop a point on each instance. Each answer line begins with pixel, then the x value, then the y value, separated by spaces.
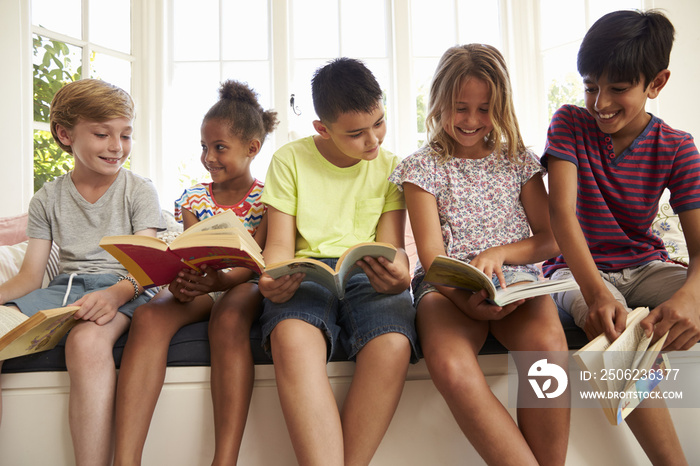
pixel 627 368
pixel 447 271
pixel 346 267
pixel 20 335
pixel 220 242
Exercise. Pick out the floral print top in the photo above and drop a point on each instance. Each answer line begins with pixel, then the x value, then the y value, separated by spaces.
pixel 478 200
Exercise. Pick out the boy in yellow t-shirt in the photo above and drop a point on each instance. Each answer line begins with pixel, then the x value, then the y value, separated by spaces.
pixel 325 194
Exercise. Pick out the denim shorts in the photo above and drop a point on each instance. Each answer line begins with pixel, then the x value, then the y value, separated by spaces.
pixel 52 296
pixel 360 316
pixel 422 288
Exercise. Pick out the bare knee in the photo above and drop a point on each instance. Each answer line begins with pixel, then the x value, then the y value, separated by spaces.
pixel 230 326
pixel 454 374
pixel 392 348
pixel 550 340
pixel 86 348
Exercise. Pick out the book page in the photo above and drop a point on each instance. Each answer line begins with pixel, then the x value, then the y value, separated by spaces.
pixel 315 271
pixel 9 319
pixel 347 263
pixel 627 349
pixel 452 272
pixel 228 223
pixel 528 290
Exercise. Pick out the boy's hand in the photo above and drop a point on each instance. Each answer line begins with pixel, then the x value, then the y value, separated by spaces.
pixel 606 315
pixel 384 276
pixel 99 307
pixel 679 316
pixel 279 290
pixel 490 262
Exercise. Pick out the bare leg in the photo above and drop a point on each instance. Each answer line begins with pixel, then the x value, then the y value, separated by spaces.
pixel 374 394
pixel 451 342
pixel 308 404
pixel 535 327
pixel 92 387
pixel 653 428
pixel 232 369
pixel 143 367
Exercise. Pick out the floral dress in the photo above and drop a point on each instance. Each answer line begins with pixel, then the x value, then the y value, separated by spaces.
pixel 478 200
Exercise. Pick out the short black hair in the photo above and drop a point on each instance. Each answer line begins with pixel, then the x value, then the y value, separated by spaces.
pixel 626 45
pixel 344 85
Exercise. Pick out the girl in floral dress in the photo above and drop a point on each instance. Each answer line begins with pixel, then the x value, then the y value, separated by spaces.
pixel 475 193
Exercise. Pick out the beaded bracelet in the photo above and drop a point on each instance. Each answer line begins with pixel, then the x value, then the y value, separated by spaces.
pixel 133 282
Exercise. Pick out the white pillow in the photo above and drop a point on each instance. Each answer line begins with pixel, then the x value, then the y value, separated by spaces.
pixel 11 258
pixel 668 227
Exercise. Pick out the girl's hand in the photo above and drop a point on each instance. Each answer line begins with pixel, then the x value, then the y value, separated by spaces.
pixel 476 307
pixel 279 290
pixel 190 283
pixel 490 262
pixel 384 276
pixel 99 307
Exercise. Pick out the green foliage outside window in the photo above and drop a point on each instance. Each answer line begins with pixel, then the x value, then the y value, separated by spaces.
pixel 567 91
pixel 51 72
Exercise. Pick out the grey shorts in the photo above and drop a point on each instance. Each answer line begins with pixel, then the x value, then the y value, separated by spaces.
pixel 645 286
pixel 53 295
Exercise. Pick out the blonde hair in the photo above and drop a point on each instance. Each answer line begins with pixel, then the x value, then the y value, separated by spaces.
pixel 456 65
pixel 88 99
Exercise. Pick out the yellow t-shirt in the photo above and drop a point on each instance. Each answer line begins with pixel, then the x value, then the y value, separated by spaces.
pixel 335 208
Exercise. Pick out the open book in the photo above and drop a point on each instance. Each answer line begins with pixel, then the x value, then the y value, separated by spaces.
pixel 20 335
pixel 447 271
pixel 220 242
pixel 628 367
pixel 334 280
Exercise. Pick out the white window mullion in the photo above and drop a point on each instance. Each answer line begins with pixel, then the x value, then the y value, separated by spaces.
pixel 16 90
pixel 149 50
pixel 281 77
pixel 405 104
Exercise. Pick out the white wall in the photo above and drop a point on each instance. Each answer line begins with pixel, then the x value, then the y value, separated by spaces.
pixel 676 104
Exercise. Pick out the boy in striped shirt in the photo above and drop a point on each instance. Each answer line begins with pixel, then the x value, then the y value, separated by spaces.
pixel 608 165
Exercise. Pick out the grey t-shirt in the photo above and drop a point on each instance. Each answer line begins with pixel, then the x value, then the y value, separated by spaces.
pixel 58 212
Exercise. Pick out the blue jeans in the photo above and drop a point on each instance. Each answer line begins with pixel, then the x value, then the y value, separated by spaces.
pixel 362 315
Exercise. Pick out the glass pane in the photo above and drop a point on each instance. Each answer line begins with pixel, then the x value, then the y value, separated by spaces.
pixel 562 22
pixel 363 34
pixel 423 71
pixel 55 63
pixel 110 24
pixel 314 28
pixel 184 107
pixel 256 74
pixel 49 160
pixel 598 8
pixel 563 84
pixel 432 41
pixel 63 17
pixel 300 120
pixel 249 39
pixel 113 70
pixel 196 30
pixel 487 30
